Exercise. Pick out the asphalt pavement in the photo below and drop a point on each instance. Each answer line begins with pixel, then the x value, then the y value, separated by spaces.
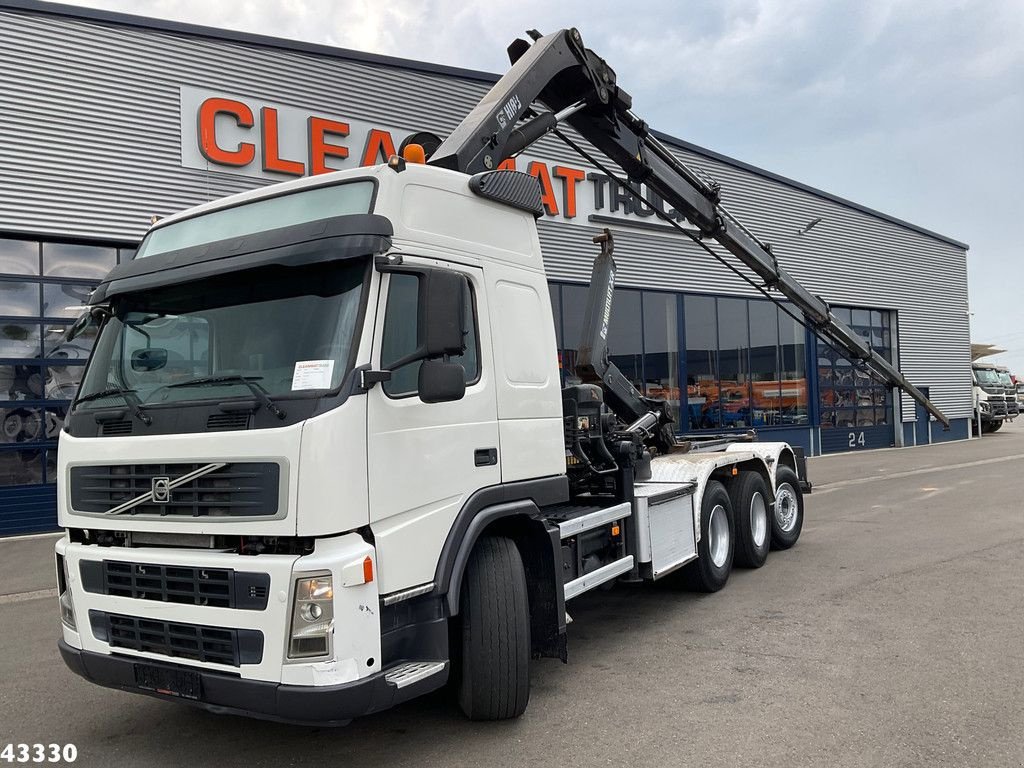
pixel 891 635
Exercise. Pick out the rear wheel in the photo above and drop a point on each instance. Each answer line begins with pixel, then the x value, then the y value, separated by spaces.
pixel 710 571
pixel 749 495
pixel 788 510
pixel 494 613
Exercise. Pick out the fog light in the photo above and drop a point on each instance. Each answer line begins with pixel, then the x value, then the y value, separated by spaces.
pixel 314 605
pixel 67 610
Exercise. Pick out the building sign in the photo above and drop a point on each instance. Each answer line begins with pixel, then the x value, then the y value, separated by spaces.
pixel 240 134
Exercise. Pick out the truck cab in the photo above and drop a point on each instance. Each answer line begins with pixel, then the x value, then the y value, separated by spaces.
pixel 990 400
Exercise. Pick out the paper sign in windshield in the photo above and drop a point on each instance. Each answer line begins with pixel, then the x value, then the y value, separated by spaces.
pixel 312 374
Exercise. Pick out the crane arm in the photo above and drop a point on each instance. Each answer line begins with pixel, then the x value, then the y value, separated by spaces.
pixel 579 88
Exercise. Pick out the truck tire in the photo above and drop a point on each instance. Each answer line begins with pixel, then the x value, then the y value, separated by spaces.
pixel 788 510
pixel 996 426
pixel 749 495
pixel 494 613
pixel 710 571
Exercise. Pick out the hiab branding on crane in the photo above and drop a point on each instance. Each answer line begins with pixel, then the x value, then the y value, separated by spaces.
pixel 244 135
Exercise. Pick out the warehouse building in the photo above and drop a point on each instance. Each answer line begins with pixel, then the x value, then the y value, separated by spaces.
pixel 108 120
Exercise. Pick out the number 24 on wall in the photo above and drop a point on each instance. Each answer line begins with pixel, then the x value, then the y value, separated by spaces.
pixel 856 439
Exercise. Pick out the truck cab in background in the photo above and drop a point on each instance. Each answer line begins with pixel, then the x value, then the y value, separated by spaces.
pixel 1009 392
pixel 990 398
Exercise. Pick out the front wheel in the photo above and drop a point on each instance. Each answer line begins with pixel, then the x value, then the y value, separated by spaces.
pixel 788 510
pixel 710 571
pixel 494 613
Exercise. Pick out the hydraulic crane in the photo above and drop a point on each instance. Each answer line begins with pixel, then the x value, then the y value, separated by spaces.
pixel 580 89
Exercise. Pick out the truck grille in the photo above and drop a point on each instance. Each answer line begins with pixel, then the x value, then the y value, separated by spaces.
pixel 241 489
pixel 215 587
pixel 217 645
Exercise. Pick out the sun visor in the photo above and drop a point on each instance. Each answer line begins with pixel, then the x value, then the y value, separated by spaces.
pixel 334 239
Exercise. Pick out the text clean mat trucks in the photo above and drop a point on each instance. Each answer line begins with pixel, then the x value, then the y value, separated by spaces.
pixel 322 462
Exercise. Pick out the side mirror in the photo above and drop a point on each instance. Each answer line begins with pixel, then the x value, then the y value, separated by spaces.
pixel 441 316
pixel 442 322
pixel 441 382
pixel 152 359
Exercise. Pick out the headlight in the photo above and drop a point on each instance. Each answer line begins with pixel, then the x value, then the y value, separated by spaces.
pixel 67 610
pixel 312 617
pixel 986 406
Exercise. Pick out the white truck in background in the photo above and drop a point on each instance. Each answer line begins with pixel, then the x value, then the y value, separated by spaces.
pixel 321 460
pixel 992 398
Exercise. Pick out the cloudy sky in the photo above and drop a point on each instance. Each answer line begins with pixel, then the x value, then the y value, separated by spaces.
pixel 912 107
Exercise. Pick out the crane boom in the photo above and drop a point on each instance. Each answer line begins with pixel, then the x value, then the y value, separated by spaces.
pixel 579 88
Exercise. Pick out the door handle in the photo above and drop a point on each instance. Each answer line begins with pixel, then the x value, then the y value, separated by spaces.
pixel 485 457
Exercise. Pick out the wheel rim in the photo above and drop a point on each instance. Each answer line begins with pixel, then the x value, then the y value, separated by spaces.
pixel 785 508
pixel 718 536
pixel 758 520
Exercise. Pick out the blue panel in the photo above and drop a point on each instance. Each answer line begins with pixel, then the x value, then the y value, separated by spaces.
pixel 836 439
pixel 28 509
pixel 959 429
pixel 796 437
pixel 908 434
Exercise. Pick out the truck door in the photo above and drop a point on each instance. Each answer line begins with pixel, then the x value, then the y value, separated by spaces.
pixel 425 459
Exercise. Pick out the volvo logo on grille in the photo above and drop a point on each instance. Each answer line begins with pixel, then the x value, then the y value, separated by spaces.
pixel 161 490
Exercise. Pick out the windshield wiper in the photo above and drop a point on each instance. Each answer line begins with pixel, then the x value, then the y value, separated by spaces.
pixel 128 395
pixel 249 381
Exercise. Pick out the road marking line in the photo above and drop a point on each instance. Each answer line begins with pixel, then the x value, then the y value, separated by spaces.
pixel 826 487
pixel 21 597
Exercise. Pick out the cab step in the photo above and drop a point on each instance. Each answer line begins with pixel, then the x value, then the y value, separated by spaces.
pixel 573 519
pixel 597 577
pixel 412 672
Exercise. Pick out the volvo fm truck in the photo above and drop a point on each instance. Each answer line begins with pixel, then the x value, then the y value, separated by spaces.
pixel 322 462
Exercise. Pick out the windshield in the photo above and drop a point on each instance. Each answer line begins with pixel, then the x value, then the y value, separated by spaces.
pixel 281 331
pixel 261 215
pixel 987 377
pixel 1004 379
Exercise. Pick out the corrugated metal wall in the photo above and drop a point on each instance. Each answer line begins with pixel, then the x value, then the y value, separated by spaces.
pixel 89 115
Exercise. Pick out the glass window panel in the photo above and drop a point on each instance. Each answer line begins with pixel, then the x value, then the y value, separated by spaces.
pixel 19 340
pixel 625 336
pixel 19 257
pixel 21 467
pixel 86 261
pixel 556 313
pixel 842 313
pixel 764 363
pixel 74 342
pixel 828 418
pixel 51 465
pixel 876 318
pixel 702 407
pixel 861 317
pixel 19 298
pixel 21 425
pixel 865 417
pixel 21 382
pixel 793 398
pixel 54 420
pixel 734 362
pixel 846 418
pixel 574 304
pixel 661 350
pixel 65 299
pixel 62 381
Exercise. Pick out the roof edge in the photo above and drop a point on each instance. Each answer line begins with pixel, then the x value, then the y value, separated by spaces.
pixel 215 33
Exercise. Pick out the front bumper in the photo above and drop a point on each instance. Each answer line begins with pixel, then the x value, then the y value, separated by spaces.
pixel 228 694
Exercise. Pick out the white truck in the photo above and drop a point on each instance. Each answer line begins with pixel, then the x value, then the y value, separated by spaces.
pixel 321 460
pixel 991 398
